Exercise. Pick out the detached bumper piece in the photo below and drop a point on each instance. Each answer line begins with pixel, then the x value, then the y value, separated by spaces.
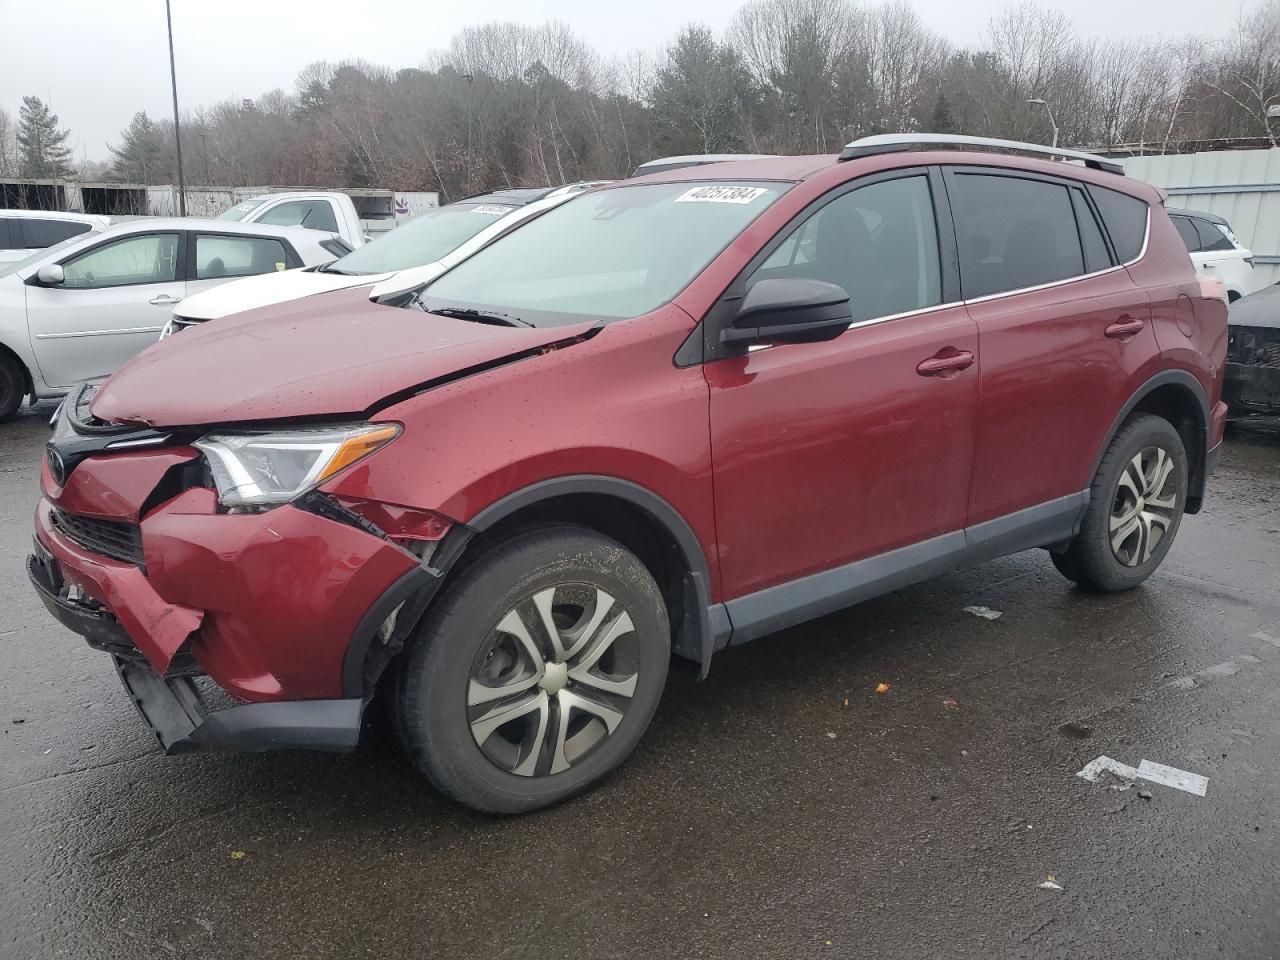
pixel 176 713
pixel 173 707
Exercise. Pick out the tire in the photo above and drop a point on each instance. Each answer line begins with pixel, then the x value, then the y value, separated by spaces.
pixel 1136 500
pixel 13 385
pixel 488 633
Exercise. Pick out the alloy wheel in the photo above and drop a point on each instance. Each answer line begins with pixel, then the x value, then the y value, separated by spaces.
pixel 1144 506
pixel 553 680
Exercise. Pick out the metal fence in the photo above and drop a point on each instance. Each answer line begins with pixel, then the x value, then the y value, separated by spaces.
pixel 1241 185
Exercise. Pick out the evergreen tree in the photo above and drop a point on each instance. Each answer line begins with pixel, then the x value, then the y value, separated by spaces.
pixel 145 154
pixel 42 148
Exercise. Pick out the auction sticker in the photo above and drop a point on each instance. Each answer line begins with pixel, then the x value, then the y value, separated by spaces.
pixel 492 209
pixel 721 194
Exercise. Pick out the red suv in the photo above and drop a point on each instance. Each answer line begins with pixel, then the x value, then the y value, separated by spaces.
pixel 674 414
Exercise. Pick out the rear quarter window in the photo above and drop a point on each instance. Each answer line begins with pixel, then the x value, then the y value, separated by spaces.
pixel 1125 218
pixel 45 233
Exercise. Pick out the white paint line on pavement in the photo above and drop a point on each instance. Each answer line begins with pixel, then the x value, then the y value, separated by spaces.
pixel 1173 777
pixel 1146 770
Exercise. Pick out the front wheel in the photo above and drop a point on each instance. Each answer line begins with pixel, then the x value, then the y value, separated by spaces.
pixel 1135 508
pixel 12 385
pixel 537 673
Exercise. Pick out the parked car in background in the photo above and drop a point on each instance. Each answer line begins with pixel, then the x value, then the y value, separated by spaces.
pixel 666 164
pixel 331 213
pixel 1252 382
pixel 24 232
pixel 415 252
pixel 83 307
pixel 1215 251
pixel 670 415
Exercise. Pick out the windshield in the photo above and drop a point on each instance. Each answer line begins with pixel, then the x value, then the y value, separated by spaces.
pixel 244 208
pixel 31 259
pixel 614 253
pixel 422 240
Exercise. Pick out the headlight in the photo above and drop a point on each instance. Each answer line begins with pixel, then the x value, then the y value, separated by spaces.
pixel 268 469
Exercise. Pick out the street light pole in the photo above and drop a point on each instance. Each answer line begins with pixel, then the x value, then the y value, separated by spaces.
pixel 1051 123
pixel 177 135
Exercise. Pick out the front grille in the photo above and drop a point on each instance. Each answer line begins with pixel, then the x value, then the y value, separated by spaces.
pixel 1258 346
pixel 111 538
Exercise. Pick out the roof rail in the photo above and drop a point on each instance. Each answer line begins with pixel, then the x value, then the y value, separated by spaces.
pixel 895 142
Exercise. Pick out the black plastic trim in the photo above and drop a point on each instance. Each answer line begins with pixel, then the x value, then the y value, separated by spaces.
pixel 176 714
pixel 1199 474
pixel 775 608
pixel 360 669
pixel 703 644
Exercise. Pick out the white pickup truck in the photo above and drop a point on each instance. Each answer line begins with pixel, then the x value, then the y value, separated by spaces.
pixel 331 212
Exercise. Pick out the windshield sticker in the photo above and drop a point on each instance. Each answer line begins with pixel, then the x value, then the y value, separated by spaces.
pixel 492 209
pixel 721 194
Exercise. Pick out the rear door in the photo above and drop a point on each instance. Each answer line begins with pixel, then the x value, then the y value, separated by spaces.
pixel 827 453
pixel 215 258
pixel 114 299
pixel 1062 329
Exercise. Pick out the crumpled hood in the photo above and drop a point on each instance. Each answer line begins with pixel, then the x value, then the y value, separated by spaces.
pixel 331 356
pixel 1259 309
pixel 266 289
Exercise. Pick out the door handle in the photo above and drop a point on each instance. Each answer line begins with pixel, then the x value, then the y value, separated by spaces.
pixel 164 300
pixel 1124 327
pixel 944 362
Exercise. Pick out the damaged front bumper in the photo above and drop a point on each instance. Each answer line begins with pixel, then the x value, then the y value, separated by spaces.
pixel 228 631
pixel 173 706
pixel 1252 379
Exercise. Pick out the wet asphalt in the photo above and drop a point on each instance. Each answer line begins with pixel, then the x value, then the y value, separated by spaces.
pixel 780 809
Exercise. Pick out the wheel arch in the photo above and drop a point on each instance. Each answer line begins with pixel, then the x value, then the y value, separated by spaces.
pixel 28 378
pixel 1177 396
pixel 642 521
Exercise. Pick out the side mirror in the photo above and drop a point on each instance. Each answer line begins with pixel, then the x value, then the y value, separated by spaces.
pixel 790 310
pixel 51 274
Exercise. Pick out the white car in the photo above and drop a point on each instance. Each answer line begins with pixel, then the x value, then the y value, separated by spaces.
pixel 81 308
pixel 1215 251
pixel 326 211
pixel 408 256
pixel 24 232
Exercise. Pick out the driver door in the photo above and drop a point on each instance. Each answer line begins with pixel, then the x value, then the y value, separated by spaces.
pixel 112 302
pixel 829 453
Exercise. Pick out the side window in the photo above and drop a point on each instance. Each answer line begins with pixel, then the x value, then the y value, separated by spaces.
pixel 1096 256
pixel 230 256
pixel 879 242
pixel 1013 233
pixel 5 242
pixel 148 258
pixel 1125 218
pixel 1211 238
pixel 316 214
pixel 1187 231
pixel 43 233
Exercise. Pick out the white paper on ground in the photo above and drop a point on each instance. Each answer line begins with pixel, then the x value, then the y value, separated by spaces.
pixel 1094 768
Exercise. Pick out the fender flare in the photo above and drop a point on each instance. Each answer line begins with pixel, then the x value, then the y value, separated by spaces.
pixel 707 622
pixel 1204 419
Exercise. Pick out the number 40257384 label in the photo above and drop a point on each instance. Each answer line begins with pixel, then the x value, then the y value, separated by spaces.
pixel 720 194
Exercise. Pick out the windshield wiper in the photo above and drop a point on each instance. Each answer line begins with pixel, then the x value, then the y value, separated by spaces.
pixel 478 316
pixel 330 268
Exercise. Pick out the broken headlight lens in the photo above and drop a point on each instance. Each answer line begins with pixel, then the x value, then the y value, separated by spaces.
pixel 268 469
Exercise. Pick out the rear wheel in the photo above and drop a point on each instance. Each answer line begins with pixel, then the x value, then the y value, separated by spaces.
pixel 1135 508
pixel 537 673
pixel 13 385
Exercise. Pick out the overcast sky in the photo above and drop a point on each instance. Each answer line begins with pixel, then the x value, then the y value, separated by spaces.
pixel 97 62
